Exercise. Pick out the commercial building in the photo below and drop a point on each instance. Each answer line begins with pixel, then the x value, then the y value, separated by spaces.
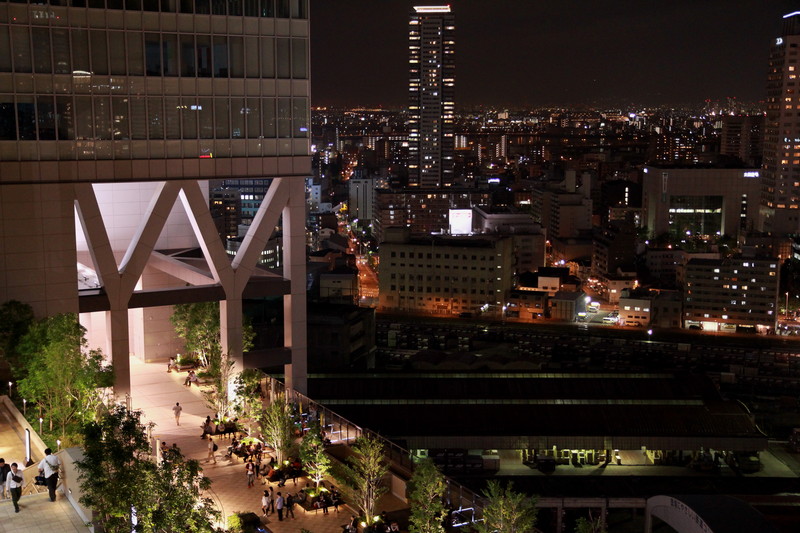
pixel 781 179
pixel 614 247
pixel 530 240
pixel 226 210
pixel 431 90
pixel 565 211
pixel 445 275
pixel 733 294
pixel 701 201
pixel 422 210
pixel 113 111
pixel 361 198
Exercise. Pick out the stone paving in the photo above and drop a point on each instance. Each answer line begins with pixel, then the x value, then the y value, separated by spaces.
pixel 155 393
pixel 37 512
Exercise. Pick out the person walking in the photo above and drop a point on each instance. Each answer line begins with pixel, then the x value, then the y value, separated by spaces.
pixel 212 448
pixel 49 467
pixel 14 482
pixel 177 410
pixel 266 500
pixel 279 503
pixel 4 470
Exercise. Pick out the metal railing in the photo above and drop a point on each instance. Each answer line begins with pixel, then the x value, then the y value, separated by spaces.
pixel 341 431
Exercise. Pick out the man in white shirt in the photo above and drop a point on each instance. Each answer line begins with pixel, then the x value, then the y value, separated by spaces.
pixel 49 467
pixel 177 410
pixel 13 483
pixel 279 506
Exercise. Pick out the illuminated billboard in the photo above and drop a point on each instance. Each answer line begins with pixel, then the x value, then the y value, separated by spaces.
pixel 460 221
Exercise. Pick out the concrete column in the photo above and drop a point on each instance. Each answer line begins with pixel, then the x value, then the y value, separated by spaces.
pixel 230 326
pixel 559 518
pixel 119 344
pixel 294 304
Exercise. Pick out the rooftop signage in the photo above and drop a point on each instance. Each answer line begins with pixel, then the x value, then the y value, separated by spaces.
pixel 432 9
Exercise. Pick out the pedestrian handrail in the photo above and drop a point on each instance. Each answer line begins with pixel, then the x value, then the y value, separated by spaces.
pixel 341 430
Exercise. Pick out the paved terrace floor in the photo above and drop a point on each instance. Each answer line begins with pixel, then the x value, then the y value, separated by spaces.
pixel 155 393
pixel 37 512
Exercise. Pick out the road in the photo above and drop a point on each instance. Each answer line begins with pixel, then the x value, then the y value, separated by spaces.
pixel 367 282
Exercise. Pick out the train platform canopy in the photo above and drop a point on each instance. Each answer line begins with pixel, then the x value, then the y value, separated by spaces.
pixel 541 410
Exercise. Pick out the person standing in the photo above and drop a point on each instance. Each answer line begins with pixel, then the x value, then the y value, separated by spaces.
pixel 272 500
pixel 279 506
pixel 289 506
pixel 177 410
pixel 266 499
pixel 251 474
pixel 49 467
pixel 14 482
pixel 324 502
pixel 4 470
pixel 212 447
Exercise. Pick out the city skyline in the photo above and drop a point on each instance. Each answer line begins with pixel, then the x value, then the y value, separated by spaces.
pixel 593 53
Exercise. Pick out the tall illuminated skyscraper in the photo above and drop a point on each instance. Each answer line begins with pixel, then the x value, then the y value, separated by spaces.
pixel 781 176
pixel 431 96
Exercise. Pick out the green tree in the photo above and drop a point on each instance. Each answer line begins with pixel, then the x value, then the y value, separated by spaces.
pixel 247 396
pixel 277 427
pixel 63 377
pixel 361 478
pixel 15 319
pixel 119 479
pixel 590 525
pixel 507 511
pixel 426 489
pixel 217 397
pixel 312 453
pixel 198 325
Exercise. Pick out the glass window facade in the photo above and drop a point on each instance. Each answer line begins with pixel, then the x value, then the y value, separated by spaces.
pixel 82 72
pixel 296 9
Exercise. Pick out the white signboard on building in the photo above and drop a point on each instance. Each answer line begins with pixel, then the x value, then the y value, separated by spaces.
pixel 460 221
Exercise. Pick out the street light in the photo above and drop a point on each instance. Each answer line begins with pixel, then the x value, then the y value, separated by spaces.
pixel 24 406
pixel 40 424
pixel 787 315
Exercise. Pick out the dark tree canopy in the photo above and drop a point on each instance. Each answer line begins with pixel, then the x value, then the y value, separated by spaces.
pixel 118 475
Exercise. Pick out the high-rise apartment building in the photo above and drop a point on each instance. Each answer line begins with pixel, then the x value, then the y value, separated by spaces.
pixel 113 118
pixel 781 178
pixel 431 90
pixel 742 136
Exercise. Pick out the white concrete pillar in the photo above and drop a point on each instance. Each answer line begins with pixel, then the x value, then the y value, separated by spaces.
pixel 294 303
pixel 230 325
pixel 117 335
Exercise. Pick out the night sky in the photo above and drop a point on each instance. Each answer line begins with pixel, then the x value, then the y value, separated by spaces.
pixel 519 53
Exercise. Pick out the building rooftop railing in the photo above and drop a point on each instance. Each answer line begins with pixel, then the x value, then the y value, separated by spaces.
pixel 342 431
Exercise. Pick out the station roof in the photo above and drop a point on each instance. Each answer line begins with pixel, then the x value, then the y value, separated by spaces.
pixel 440 410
